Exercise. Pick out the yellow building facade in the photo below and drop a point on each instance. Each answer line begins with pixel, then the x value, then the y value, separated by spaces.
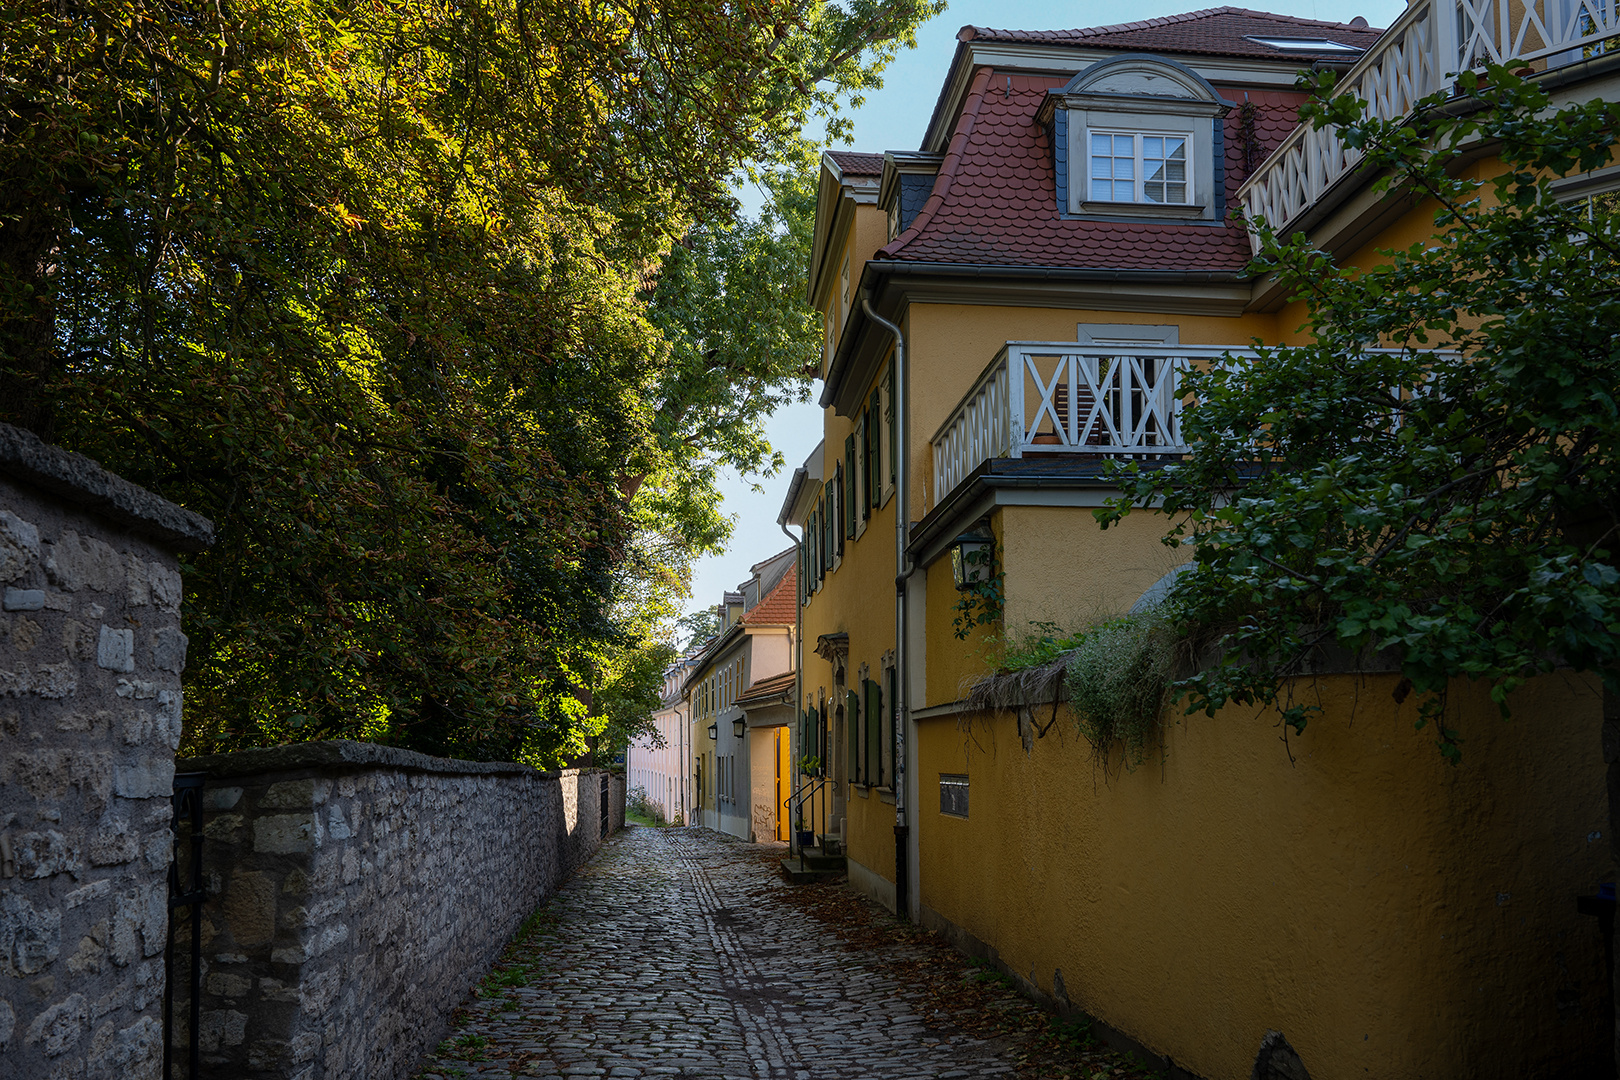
pixel 1009 305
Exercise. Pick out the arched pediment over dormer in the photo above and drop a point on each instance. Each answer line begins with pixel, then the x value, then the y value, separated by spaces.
pixel 1138 136
pixel 1141 75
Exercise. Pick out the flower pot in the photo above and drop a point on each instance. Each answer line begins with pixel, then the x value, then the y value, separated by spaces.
pixel 806 838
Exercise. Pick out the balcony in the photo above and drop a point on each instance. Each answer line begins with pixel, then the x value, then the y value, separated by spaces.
pixel 1044 397
pixel 1418 55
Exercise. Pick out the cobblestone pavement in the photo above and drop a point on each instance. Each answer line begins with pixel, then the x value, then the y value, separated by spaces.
pixel 673 953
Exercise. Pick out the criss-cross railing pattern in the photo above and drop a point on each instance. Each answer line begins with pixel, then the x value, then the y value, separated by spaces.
pixel 1055 397
pixel 1419 54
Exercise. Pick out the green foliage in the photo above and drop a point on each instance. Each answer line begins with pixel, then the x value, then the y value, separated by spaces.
pixel 1455 508
pixel 1045 643
pixel 1118 679
pixel 632 691
pixel 435 310
pixel 642 809
pixel 980 603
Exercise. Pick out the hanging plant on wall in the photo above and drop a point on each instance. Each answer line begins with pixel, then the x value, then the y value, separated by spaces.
pixel 982 597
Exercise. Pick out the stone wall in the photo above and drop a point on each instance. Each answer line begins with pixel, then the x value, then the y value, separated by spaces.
pixel 357 892
pixel 90 658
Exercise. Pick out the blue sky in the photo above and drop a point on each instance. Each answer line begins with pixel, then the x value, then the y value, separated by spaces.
pixel 893 118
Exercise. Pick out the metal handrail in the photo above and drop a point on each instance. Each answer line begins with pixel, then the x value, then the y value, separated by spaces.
pixel 794 805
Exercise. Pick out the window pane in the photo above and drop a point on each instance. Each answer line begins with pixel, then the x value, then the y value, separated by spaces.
pixel 1113 166
pixel 1164 167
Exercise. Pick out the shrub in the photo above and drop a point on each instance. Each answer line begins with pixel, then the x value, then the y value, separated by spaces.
pixel 638 805
pixel 1118 679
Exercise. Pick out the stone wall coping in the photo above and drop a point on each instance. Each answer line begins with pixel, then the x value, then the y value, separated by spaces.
pixel 344 755
pixel 80 480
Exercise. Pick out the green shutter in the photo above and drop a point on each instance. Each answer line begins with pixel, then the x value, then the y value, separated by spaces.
pixel 812 552
pixel 874 451
pixel 812 742
pixel 874 733
pixel 852 721
pixel 849 485
pixel 889 729
pixel 894 431
pixel 829 525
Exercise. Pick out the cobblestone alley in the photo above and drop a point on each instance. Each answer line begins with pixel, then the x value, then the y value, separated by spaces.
pixel 676 952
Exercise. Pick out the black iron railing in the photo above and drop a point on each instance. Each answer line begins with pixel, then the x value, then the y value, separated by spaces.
pixel 185 891
pixel 807 810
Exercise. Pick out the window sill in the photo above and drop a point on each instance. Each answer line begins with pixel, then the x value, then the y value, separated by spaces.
pixel 1158 210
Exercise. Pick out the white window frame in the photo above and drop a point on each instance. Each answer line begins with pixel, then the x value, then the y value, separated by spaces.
pixel 1139 177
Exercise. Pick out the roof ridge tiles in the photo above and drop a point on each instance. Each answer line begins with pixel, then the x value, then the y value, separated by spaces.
pixel 971 33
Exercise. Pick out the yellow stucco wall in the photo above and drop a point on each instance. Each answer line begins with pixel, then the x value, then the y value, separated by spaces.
pixel 857 598
pixel 1058 567
pixel 1393 916
pixel 1062 567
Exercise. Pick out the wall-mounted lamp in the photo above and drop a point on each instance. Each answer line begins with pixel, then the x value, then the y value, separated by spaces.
pixel 737 727
pixel 714 732
pixel 971 559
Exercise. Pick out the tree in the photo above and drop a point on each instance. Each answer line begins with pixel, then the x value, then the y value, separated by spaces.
pixel 1436 474
pixel 371 288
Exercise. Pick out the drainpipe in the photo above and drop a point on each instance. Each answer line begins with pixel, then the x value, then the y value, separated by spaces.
pixel 796 650
pixel 902 514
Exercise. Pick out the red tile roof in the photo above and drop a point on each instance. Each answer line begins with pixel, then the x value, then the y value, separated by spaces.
pixel 854 164
pixel 995 198
pixel 1222 31
pixel 781 606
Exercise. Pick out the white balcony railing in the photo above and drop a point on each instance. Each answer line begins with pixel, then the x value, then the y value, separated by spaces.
pixel 1055 397
pixel 1419 54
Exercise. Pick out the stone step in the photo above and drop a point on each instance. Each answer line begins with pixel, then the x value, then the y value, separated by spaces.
pixel 822 859
pixel 799 874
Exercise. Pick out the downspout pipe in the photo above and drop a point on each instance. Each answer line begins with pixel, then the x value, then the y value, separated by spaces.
pixel 902 515
pixel 797 652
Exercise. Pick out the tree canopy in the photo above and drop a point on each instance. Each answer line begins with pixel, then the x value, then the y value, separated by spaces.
pixel 1436 474
pixel 444 314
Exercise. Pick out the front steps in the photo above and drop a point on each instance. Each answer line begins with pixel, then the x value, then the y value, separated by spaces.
pixel 816 863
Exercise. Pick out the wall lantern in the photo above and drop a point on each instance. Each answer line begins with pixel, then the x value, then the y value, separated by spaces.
pixel 737 727
pixel 714 732
pixel 971 558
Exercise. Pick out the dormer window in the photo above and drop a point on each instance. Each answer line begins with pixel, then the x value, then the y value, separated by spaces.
pixel 1135 137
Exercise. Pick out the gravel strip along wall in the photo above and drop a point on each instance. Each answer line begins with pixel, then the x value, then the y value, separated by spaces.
pixel 90 658
pixel 357 891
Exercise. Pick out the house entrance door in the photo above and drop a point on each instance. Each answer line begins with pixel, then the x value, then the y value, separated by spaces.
pixel 784 780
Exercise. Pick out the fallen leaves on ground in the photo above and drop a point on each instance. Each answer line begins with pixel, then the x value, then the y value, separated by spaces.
pixel 969 995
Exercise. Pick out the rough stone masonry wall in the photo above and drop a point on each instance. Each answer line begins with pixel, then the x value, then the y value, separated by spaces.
pixel 90 659
pixel 357 892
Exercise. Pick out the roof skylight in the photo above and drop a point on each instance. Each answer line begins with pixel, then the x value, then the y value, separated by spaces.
pixel 1306 45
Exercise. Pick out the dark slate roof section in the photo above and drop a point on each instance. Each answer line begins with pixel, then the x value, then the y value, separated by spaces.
pixel 1222 31
pixel 853 164
pixel 79 480
pixel 995 199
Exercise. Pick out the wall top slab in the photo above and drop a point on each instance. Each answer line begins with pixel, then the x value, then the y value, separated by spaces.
pixel 79 480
